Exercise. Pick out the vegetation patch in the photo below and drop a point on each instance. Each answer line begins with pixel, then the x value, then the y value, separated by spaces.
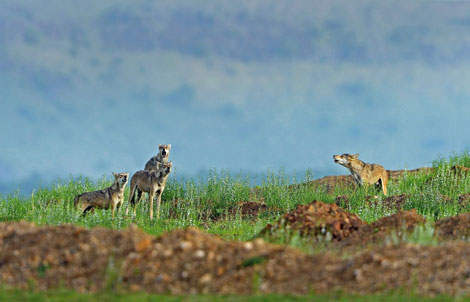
pixel 413 240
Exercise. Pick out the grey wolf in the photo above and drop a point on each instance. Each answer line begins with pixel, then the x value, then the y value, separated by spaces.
pixel 149 181
pixel 363 172
pixel 162 157
pixel 112 196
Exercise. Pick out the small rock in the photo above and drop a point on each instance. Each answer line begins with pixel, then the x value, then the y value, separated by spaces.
pixel 199 254
pixel 185 245
pixel 168 253
pixel 206 278
pixel 248 245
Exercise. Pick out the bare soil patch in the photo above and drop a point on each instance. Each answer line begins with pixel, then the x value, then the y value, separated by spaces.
pixel 67 255
pixel 190 261
pixel 424 270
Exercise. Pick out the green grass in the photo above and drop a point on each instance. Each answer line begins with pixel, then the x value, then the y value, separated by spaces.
pixel 206 203
pixel 56 296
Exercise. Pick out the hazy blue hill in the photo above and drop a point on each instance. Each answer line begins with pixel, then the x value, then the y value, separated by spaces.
pixel 247 31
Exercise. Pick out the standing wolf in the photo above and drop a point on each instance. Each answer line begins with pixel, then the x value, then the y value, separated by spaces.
pixel 363 172
pixel 162 157
pixel 103 199
pixel 149 181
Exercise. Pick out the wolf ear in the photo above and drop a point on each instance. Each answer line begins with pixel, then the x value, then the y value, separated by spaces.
pixel 169 146
pixel 160 146
pixel 170 163
pixel 356 155
pixel 115 174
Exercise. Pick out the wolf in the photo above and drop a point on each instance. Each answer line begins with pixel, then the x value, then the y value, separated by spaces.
pixel 112 196
pixel 149 181
pixel 363 172
pixel 162 157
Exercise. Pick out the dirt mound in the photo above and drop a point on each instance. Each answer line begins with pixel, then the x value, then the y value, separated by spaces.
pixel 398 224
pixel 395 202
pixel 244 209
pixel 456 227
pixel 329 183
pixel 182 261
pixel 70 256
pixel 248 209
pixel 395 174
pixel 423 270
pixel 190 261
pixel 316 220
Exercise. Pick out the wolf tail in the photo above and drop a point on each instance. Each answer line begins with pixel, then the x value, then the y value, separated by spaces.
pixel 76 201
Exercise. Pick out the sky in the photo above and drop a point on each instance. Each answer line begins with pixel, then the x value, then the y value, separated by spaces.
pixel 92 87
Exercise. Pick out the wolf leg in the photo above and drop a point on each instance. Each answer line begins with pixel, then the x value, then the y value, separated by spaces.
pixel 384 181
pixel 113 208
pixel 159 200
pixel 139 198
pixel 151 195
pixel 118 206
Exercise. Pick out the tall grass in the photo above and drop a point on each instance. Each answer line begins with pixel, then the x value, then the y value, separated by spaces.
pixel 213 202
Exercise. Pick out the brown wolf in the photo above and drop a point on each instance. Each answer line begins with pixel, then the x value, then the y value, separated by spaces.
pixel 363 172
pixel 149 181
pixel 162 157
pixel 103 199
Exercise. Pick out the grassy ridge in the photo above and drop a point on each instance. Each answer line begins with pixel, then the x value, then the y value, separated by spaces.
pixel 206 202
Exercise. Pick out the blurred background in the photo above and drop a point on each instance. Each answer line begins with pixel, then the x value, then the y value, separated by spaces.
pixel 90 87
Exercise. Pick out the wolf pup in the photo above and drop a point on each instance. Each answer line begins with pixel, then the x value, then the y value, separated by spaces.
pixel 103 199
pixel 162 157
pixel 149 181
pixel 363 172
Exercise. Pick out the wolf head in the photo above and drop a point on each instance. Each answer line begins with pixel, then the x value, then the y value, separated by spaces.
pixel 165 168
pixel 121 179
pixel 345 159
pixel 164 150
